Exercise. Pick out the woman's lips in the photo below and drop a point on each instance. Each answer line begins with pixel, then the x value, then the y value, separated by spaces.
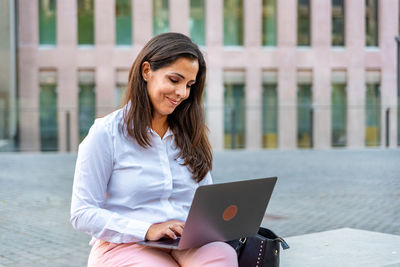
pixel 172 101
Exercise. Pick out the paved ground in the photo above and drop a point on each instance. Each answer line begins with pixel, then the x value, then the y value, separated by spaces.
pixel 316 191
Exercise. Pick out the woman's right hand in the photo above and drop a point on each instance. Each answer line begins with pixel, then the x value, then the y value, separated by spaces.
pixel 171 229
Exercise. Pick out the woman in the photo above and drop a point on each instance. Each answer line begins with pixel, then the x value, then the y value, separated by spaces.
pixel 138 168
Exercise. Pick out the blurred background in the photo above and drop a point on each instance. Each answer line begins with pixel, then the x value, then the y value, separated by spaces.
pixel 281 74
pixel 306 90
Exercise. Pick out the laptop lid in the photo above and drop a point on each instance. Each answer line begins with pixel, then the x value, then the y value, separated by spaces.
pixel 222 212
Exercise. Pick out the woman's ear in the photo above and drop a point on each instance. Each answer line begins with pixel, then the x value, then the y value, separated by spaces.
pixel 146 71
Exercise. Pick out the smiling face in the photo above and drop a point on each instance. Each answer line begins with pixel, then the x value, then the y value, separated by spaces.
pixel 169 86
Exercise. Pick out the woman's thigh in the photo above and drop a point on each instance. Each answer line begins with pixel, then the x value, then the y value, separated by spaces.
pixel 105 254
pixel 214 254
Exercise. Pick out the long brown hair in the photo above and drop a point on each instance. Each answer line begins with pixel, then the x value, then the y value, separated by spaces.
pixel 187 120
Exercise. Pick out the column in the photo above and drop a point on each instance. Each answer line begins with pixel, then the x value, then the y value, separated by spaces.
pixel 214 23
pixel 252 23
pixel 355 45
pixel 215 107
pixel 287 21
pixel 253 94
pixel 215 83
pixel 28 75
pixel 179 12
pixel 321 44
pixel 67 75
pixel 388 28
pixel 105 42
pixel 142 19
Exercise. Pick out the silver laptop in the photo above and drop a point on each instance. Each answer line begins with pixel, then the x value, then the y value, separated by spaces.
pixel 222 212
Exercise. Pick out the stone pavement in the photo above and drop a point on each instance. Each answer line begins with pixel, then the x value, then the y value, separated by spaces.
pixel 317 190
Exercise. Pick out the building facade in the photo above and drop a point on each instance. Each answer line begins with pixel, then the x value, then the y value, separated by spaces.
pixel 281 73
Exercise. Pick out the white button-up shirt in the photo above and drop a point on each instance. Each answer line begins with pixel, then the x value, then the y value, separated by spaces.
pixel 120 188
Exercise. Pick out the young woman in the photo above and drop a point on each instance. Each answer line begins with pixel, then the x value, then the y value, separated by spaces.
pixel 138 168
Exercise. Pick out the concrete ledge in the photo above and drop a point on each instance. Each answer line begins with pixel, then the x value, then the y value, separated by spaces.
pixel 342 247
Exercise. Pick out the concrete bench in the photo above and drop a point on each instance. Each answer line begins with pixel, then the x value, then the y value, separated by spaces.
pixel 342 247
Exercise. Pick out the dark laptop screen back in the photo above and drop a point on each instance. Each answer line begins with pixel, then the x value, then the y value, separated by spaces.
pixel 225 212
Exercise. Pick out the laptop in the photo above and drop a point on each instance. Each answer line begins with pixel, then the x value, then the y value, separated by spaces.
pixel 222 212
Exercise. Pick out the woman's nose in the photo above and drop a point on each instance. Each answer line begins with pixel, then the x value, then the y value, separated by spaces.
pixel 181 91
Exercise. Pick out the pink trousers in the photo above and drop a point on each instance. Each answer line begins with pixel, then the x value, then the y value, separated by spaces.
pixel 215 254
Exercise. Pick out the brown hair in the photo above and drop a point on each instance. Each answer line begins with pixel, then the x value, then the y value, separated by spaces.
pixel 187 120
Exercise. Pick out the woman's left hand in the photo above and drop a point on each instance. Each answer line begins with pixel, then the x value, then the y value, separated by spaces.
pixel 171 229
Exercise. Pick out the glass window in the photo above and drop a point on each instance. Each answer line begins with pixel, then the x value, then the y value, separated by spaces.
pixel 197 18
pixel 120 95
pixel 122 78
pixel 304 115
pixel 85 22
pixel 371 22
pixel 3 117
pixel 338 29
pixel 234 111
pixel 339 114
pixel 270 115
pixel 373 115
pixel 204 102
pixel 48 118
pixel 160 17
pixel 398 120
pixel 303 23
pixel 123 22
pixel 269 23
pixel 48 111
pixel 233 22
pixel 87 102
pixel 47 22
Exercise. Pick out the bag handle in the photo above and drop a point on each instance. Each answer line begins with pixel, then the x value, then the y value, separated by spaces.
pixel 269 234
pixel 283 243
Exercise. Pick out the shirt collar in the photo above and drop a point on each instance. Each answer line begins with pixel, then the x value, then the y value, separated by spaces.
pixel 167 133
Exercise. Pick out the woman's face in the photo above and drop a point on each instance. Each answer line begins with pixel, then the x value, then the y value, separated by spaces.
pixel 169 86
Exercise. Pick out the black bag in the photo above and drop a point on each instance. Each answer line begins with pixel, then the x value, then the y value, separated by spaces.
pixel 261 250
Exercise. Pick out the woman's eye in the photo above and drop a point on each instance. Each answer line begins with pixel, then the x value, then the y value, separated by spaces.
pixel 173 80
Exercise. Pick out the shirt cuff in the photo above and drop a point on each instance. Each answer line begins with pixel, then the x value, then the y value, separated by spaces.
pixel 136 230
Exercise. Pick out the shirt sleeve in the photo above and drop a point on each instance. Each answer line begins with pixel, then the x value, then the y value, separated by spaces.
pixel 206 180
pixel 93 170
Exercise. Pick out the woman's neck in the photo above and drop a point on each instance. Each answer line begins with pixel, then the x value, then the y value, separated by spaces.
pixel 160 125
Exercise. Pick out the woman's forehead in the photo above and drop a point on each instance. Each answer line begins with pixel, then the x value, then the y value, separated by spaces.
pixel 184 67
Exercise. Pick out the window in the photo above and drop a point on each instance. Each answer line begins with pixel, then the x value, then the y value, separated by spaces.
pixel 234 110
pixel 47 22
pixel 87 102
pixel 233 22
pixel 371 22
pixel 269 23
pixel 270 110
pixel 123 22
pixel 338 29
pixel 373 109
pixel 204 102
pixel 48 111
pixel 339 109
pixel 120 94
pixel 3 116
pixel 197 18
pixel 160 17
pixel 85 22
pixel 398 120
pixel 303 23
pixel 304 110
pixel 122 84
